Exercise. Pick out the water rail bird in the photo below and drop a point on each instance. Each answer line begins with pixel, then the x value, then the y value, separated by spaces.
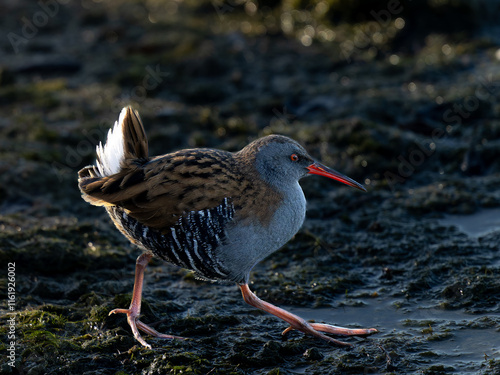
pixel 214 212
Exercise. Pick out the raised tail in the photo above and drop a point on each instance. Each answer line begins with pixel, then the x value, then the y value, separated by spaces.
pixel 126 141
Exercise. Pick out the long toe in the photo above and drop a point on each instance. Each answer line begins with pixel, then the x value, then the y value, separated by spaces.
pixel 153 332
pixel 334 330
pixel 315 329
pixel 135 324
pixel 141 340
pixel 316 333
pixel 132 321
pixel 119 311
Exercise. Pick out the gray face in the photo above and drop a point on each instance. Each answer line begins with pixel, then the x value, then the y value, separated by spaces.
pixel 283 163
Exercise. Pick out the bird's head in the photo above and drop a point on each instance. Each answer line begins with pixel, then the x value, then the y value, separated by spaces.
pixel 281 161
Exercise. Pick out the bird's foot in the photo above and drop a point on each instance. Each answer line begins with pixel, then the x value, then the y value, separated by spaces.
pixel 334 330
pixel 136 324
pixel 296 322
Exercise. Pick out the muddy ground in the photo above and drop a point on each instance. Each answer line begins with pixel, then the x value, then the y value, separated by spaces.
pixel 405 99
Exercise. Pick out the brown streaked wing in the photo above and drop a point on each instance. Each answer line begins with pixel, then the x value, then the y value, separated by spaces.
pixel 160 191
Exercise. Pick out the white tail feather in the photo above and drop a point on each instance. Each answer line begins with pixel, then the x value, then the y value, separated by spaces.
pixel 110 156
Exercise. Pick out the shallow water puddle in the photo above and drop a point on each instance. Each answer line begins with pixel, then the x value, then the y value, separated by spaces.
pixel 475 225
pixel 445 333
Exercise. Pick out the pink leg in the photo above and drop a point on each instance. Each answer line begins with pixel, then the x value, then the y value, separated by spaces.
pixel 135 306
pixel 300 324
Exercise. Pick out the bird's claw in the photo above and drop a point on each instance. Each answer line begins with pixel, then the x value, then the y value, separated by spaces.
pixel 136 324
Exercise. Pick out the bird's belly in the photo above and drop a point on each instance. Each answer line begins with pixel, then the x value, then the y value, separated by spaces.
pixel 248 244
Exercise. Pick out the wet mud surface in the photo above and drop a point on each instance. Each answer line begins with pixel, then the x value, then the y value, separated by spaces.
pixel 412 112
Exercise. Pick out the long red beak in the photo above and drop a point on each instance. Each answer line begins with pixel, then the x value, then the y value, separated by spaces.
pixel 320 169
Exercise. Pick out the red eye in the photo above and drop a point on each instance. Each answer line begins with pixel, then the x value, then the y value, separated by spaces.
pixel 294 157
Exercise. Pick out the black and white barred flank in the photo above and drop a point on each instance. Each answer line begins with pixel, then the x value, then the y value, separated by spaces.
pixel 191 242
